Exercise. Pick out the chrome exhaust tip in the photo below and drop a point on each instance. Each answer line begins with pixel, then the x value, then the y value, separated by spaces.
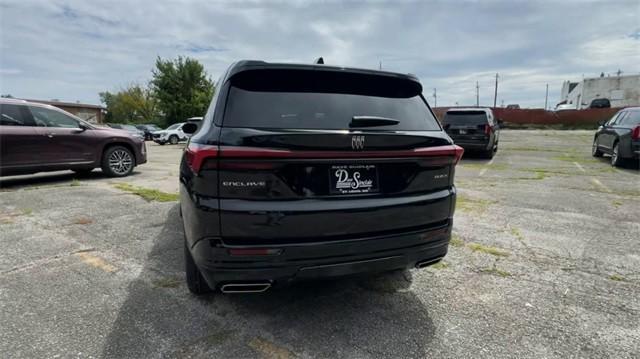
pixel 232 288
pixel 428 262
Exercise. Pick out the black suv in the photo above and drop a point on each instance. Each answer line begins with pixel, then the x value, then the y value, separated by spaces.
pixel 309 171
pixel 474 129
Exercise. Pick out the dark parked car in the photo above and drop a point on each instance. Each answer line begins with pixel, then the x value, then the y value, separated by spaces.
pixel 135 132
pixel 148 130
pixel 310 171
pixel 600 103
pixel 619 137
pixel 39 138
pixel 474 129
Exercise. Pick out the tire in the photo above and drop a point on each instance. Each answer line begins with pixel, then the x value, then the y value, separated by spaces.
pixel 595 151
pixel 173 139
pixel 195 282
pixel 490 153
pixel 616 160
pixel 118 161
pixel 161 143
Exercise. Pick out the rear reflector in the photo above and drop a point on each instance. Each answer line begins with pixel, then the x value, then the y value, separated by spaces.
pixel 197 154
pixel 635 133
pixel 255 252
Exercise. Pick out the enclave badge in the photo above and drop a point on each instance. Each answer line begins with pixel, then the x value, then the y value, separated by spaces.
pixel 357 142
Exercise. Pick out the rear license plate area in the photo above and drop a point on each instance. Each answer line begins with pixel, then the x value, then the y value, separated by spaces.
pixel 353 179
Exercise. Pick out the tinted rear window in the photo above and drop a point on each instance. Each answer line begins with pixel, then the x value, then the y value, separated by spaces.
pixel 472 118
pixel 324 100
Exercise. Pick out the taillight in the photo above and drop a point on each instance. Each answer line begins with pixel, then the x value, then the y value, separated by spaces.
pixel 199 156
pixel 487 129
pixel 459 151
pixel 635 133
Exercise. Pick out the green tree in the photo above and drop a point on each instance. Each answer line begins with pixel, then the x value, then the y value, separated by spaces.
pixel 182 88
pixel 133 104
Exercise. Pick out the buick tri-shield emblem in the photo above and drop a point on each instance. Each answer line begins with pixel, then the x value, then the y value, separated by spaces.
pixel 357 142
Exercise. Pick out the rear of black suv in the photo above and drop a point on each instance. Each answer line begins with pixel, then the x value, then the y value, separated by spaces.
pixel 311 171
pixel 474 129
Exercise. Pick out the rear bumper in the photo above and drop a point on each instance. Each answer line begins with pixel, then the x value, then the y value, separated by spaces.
pixel 141 154
pixel 321 260
pixel 472 145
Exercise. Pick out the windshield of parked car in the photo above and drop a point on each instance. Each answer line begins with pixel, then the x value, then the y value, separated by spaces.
pixel 129 128
pixel 471 118
pixel 310 100
pixel 173 127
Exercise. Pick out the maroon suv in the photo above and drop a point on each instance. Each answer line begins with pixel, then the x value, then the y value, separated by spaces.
pixel 38 138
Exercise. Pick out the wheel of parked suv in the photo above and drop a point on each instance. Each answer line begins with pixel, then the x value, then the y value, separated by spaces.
pixel 615 156
pixel 595 151
pixel 490 153
pixel 118 161
pixel 173 139
pixel 196 283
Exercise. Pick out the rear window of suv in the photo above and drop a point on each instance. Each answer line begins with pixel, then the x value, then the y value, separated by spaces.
pixel 471 118
pixel 307 99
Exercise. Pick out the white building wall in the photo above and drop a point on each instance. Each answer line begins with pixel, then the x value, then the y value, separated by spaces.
pixel 621 91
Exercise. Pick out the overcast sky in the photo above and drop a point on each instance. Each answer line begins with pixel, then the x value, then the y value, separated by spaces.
pixel 72 50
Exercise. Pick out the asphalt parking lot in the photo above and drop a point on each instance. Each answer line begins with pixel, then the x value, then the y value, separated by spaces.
pixel 544 262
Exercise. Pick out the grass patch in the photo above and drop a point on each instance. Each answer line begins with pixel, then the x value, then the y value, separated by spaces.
pixel 467 204
pixel 168 282
pixel 573 158
pixel 534 149
pixel 617 278
pixel 27 211
pixel 440 265
pixel 456 241
pixel 477 247
pixel 616 203
pixel 148 193
pixel 516 233
pixel 493 166
pixel 74 183
pixel 496 271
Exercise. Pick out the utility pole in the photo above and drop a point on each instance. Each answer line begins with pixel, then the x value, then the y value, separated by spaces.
pixel 495 94
pixel 477 94
pixel 435 97
pixel 546 98
pixel 380 65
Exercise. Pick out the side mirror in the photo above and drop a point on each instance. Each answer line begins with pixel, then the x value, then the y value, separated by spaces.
pixel 601 123
pixel 82 126
pixel 189 128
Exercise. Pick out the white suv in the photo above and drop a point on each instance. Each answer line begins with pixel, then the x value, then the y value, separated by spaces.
pixel 172 134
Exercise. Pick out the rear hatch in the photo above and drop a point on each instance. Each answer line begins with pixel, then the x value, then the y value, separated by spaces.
pixel 317 156
pixel 466 125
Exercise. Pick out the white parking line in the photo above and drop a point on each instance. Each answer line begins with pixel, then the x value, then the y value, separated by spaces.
pixel 600 184
pixel 484 170
pixel 579 166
